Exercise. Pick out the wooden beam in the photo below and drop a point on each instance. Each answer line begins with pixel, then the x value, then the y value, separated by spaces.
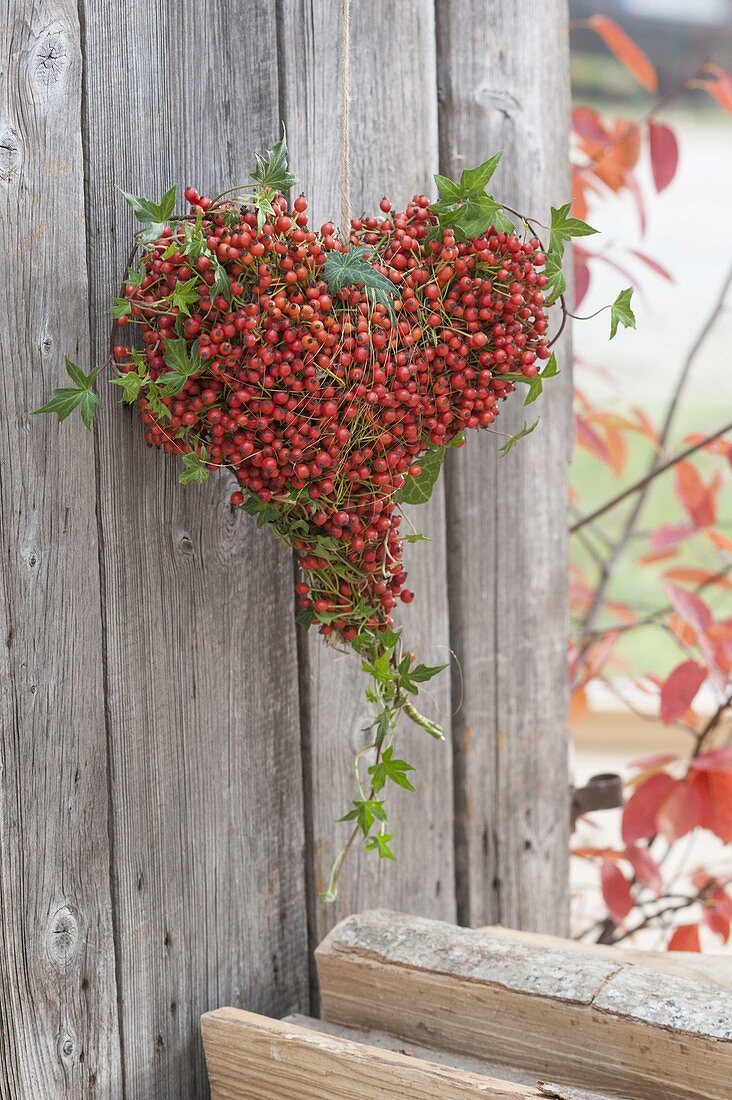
pixel 251 1057
pixel 582 1019
pixel 59 1035
pixel 393 122
pixel 202 696
pixel 503 74
pixel 713 969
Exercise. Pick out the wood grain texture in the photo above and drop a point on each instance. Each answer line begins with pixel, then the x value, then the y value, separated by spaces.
pixel 393 122
pixel 575 1018
pixel 58 1003
pixel 506 517
pixel 382 1039
pixel 202 678
pixel 712 969
pixel 250 1057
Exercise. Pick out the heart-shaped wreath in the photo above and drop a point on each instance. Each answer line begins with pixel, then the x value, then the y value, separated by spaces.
pixel 329 375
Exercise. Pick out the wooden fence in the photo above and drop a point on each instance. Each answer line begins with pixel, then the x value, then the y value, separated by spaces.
pixel 173 755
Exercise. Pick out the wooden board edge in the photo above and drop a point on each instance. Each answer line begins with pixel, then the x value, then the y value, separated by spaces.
pixel 238 1044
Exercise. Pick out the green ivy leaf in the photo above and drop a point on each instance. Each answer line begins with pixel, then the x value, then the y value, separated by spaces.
pixel 473 215
pixel 182 366
pixel 185 295
pixel 132 383
pixel 536 384
pixel 350 268
pixel 379 842
pixel 80 396
pixel 418 490
pixel 420 674
pixel 390 769
pixel 564 227
pixel 155 212
pixel 365 813
pixel 155 403
pixel 121 307
pixel 448 191
pixel 194 468
pixel 621 312
pixel 271 172
pixel 513 440
pixel 475 179
pixel 556 283
pixel 466 207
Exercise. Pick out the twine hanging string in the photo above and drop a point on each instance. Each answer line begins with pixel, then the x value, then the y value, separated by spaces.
pixel 345 128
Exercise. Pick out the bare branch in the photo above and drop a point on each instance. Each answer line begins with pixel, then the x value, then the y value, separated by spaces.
pixel 637 486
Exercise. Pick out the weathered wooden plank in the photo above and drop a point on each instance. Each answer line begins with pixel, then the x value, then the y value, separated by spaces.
pixel 251 1057
pixel 393 149
pixel 203 708
pixel 382 1039
pixel 572 1017
pixel 379 1038
pixel 58 1002
pixel 505 86
pixel 713 969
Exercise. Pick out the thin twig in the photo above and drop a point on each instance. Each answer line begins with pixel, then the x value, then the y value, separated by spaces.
pixel 637 486
pixel 621 542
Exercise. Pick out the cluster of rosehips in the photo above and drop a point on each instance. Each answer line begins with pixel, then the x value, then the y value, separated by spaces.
pixel 322 402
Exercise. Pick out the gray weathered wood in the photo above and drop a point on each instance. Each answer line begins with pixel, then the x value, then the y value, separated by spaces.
pixel 394 150
pixel 712 969
pixel 58 1005
pixel 578 1018
pixel 206 806
pixel 504 85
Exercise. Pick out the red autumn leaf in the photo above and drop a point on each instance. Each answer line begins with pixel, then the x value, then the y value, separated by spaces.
pixel 621 611
pixel 644 424
pixel 723 905
pixel 717 760
pixel 724 542
pixel 587 123
pixel 617 447
pixel 664 153
pixel 626 51
pixel 670 535
pixel 679 690
pixel 713 790
pixel 599 654
pixel 580 186
pixel 690 607
pixel 613 163
pixel 658 761
pixel 588 438
pixel 716 923
pixel 693 575
pixel 720 87
pixel 658 555
pixel 653 264
pixel 645 868
pixel 685 938
pixel 594 853
pixel 615 891
pixel 680 812
pixel 641 809
pixel 697 499
pixel 581 280
pixel 578 708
